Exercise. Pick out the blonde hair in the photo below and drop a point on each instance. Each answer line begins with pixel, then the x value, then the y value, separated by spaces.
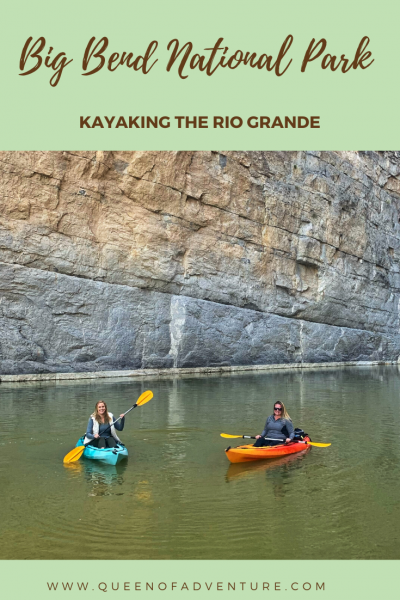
pixel 284 413
pixel 96 415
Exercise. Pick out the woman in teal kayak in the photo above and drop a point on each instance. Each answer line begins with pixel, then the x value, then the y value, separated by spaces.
pixel 100 431
pixel 279 427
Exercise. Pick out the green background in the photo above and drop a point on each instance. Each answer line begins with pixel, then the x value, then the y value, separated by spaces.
pixel 343 579
pixel 358 109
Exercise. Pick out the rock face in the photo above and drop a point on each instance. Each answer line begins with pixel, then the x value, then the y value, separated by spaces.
pixel 121 260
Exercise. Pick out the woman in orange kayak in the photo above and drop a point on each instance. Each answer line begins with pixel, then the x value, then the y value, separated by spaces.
pixel 278 426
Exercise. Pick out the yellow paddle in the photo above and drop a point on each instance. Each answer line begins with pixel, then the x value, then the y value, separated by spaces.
pixel 253 437
pixel 77 452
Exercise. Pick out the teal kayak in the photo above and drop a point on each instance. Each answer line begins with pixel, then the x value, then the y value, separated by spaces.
pixel 111 456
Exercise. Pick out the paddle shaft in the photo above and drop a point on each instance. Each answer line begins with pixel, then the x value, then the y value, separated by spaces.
pixel 253 437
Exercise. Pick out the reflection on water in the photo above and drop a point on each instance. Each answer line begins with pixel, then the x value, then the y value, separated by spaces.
pixel 278 472
pixel 177 497
pixel 282 466
pixel 103 479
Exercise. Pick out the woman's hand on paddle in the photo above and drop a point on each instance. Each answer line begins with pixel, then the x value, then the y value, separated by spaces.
pixel 122 416
pixel 96 435
pixel 287 440
pixel 258 437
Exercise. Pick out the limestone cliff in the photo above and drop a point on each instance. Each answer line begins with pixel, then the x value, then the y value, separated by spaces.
pixel 113 260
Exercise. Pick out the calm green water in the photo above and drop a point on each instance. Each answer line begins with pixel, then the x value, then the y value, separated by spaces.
pixel 177 497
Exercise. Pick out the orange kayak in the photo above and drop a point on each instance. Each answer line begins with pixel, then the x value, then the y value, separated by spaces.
pixel 249 453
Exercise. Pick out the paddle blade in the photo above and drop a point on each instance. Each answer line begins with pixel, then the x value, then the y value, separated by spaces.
pixel 318 445
pixel 74 455
pixel 145 397
pixel 226 435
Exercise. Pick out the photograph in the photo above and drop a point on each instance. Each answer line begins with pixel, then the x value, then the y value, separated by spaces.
pixel 199 355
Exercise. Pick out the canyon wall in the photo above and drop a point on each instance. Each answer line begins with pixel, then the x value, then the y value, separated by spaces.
pixel 121 260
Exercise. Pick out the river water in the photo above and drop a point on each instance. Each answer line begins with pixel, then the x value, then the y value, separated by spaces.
pixel 177 496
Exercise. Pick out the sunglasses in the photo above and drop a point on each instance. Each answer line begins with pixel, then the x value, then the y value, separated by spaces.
pixel 278 408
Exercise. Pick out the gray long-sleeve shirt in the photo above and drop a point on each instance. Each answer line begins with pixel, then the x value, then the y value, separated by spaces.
pixel 278 428
pixel 104 427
